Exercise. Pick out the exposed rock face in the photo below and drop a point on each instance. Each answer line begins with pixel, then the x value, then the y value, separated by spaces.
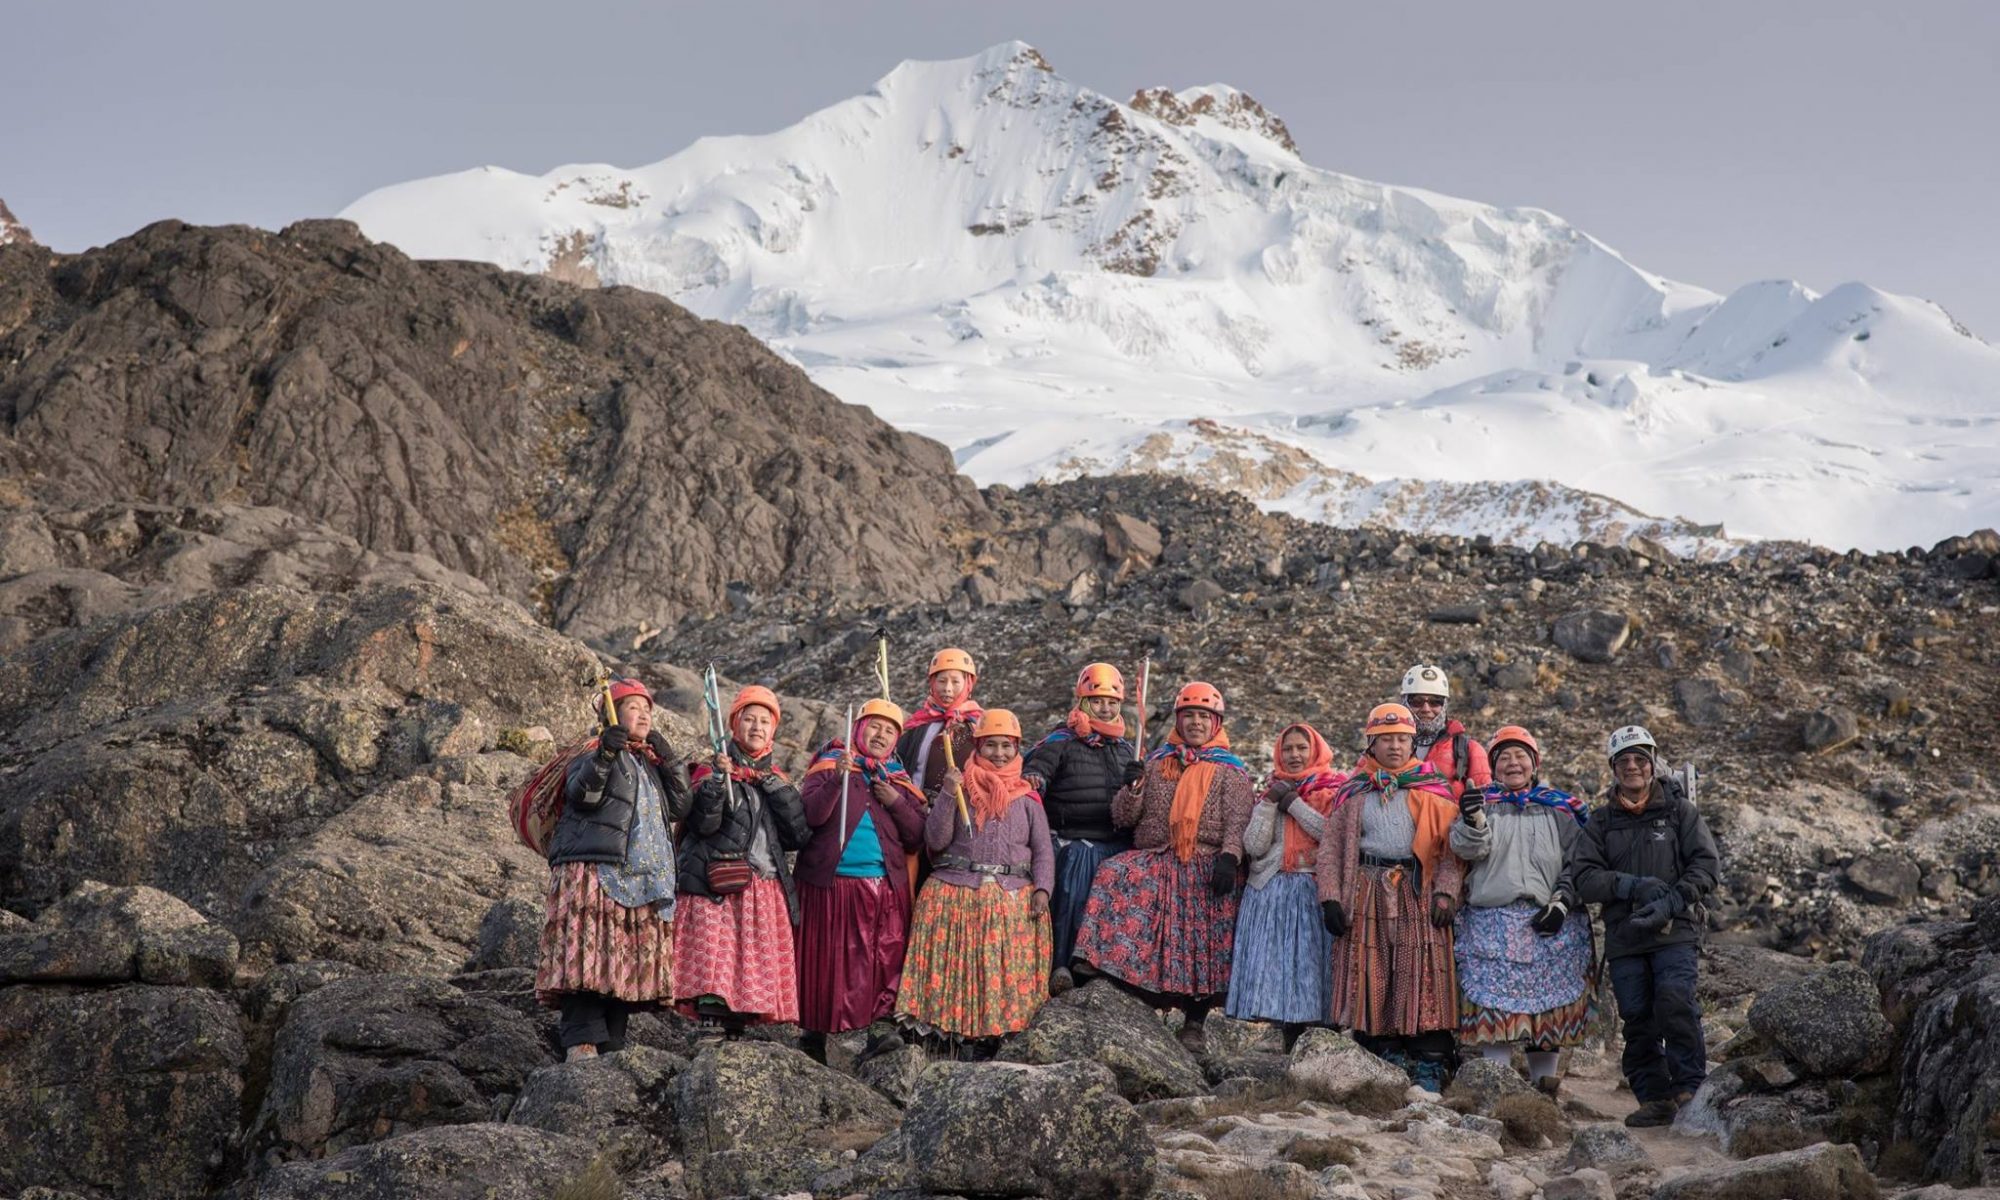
pixel 1067 1132
pixel 1099 1023
pixel 465 1162
pixel 1823 1172
pixel 604 454
pixel 1830 1022
pixel 756 1117
pixel 129 1091
pixel 622 1102
pixel 100 934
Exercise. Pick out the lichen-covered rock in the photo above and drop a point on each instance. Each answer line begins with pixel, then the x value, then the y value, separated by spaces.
pixel 1329 1064
pixel 1482 1083
pixel 459 1162
pixel 100 934
pixel 129 1091
pixel 622 1102
pixel 509 935
pixel 1100 1023
pixel 1003 1129
pixel 1830 1022
pixel 1822 1172
pixel 757 1117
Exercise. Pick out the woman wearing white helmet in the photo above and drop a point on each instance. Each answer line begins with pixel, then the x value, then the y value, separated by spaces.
pixel 1441 741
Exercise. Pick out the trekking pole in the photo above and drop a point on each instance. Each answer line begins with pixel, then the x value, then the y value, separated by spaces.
pixel 711 699
pixel 882 660
pixel 1145 675
pixel 951 760
pixel 846 773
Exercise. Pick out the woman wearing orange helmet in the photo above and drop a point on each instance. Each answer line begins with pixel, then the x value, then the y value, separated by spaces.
pixel 1523 967
pixel 948 710
pixel 1078 769
pixel 854 892
pixel 979 944
pixel 1388 889
pixel 1162 916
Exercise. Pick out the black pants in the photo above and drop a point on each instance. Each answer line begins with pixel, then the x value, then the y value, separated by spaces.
pixel 1664 1051
pixel 594 1019
pixel 1435 1045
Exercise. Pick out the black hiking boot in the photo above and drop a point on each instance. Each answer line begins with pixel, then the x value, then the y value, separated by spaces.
pixel 1652 1114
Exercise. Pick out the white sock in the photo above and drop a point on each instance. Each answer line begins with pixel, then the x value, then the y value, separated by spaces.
pixel 1504 1055
pixel 1542 1064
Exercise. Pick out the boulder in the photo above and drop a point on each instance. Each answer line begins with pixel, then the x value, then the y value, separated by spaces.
pixel 1587 1184
pixel 1130 541
pixel 1828 730
pixel 100 934
pixel 622 1102
pixel 372 1056
pixel 1829 1022
pixel 1065 1132
pixel 1328 1064
pixel 1200 594
pixel 1702 702
pixel 462 1162
pixel 510 935
pixel 1606 1147
pixel 1592 635
pixel 129 1091
pixel 1101 1023
pixel 1886 876
pixel 1948 1075
pixel 1480 1084
pixel 1822 1172
pixel 894 1073
pixel 757 1117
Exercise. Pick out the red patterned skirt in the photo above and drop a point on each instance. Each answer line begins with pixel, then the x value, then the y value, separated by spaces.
pixel 738 948
pixel 978 961
pixel 1393 973
pixel 1154 922
pixel 592 943
pixel 851 941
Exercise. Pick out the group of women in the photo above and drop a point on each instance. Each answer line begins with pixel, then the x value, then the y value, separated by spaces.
pixel 931 877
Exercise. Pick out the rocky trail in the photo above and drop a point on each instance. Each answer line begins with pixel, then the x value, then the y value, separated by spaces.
pixel 265 932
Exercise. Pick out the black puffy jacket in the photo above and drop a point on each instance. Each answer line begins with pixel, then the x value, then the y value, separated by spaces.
pixel 1667 840
pixel 1077 781
pixel 600 801
pixel 715 827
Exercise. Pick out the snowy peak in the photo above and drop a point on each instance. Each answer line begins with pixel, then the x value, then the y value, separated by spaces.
pixel 11 229
pixel 1050 281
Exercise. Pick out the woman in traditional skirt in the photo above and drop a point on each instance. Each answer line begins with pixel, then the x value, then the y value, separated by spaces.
pixel 1283 967
pixel 607 944
pixel 1078 769
pixel 980 941
pixel 1162 916
pixel 733 959
pixel 1525 970
pixel 1388 889
pixel 866 815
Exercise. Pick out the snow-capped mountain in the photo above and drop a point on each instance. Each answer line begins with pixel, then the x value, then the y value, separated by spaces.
pixel 1052 283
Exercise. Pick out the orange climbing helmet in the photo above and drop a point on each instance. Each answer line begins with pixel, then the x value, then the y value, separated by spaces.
pixel 997 722
pixel 1388 718
pixel 885 709
pixel 1100 679
pixel 951 658
pixel 1517 736
pixel 1199 695
pixel 761 697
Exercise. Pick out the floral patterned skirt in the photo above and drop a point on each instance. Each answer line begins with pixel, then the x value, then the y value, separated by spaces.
pixel 592 943
pixel 738 948
pixel 1154 922
pixel 1519 986
pixel 1393 974
pixel 978 960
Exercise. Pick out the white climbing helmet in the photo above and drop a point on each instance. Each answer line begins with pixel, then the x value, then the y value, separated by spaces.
pixel 1629 738
pixel 1426 680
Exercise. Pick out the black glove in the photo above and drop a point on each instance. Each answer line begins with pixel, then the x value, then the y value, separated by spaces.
pixel 1470 803
pixel 1653 917
pixel 1335 917
pixel 658 743
pixel 1282 793
pixel 1549 921
pixel 1443 909
pixel 1223 881
pixel 614 741
pixel 1640 889
pixel 1133 770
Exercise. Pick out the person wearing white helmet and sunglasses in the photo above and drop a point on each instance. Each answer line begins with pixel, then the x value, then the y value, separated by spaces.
pixel 1648 857
pixel 1441 741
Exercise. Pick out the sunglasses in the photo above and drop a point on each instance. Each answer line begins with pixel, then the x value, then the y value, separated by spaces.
pixel 1423 701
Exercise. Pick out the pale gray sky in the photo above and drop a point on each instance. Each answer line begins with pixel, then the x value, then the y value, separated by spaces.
pixel 1714 141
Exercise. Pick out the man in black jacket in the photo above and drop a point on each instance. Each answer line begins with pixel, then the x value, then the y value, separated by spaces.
pixel 1648 857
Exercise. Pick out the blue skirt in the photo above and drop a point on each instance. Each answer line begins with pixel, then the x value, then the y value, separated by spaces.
pixel 1284 955
pixel 1076 865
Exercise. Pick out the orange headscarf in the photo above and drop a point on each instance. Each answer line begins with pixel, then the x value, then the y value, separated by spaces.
pixel 1082 724
pixel 1191 780
pixel 1316 789
pixel 990 789
pixel 1429 796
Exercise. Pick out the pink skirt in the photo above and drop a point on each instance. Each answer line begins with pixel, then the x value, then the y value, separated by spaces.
pixel 738 948
pixel 592 943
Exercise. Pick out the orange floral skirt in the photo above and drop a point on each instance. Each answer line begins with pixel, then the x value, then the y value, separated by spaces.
pixel 978 961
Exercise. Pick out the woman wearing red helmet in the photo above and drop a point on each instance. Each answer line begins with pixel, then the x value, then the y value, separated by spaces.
pixel 979 943
pixel 1523 967
pixel 607 943
pixel 1388 887
pixel 1162 916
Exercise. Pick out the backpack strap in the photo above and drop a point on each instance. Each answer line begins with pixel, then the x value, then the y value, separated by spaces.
pixel 1461 757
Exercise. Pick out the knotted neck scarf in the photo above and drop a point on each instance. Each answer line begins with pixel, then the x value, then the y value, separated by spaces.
pixel 1192 771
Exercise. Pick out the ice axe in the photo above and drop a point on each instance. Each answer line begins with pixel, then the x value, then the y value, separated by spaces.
pixel 711 699
pixel 846 772
pixel 882 660
pixel 1145 676
pixel 951 761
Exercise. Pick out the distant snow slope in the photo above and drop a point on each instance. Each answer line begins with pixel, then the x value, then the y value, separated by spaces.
pixel 1052 282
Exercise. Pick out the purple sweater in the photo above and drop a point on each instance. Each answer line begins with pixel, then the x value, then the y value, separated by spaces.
pixel 1018 836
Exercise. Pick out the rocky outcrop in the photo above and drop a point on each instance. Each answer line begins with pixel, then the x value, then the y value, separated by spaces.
pixel 130 1091
pixel 756 1117
pixel 623 1103
pixel 465 1162
pixel 1829 1022
pixel 100 934
pixel 1823 1172
pixel 603 455
pixel 1067 1132
pixel 1100 1023
pixel 1328 1064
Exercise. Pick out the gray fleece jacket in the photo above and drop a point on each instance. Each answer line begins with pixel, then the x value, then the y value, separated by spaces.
pixel 1519 854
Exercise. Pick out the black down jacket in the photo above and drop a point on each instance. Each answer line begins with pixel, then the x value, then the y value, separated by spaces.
pixel 1667 840
pixel 600 801
pixel 1077 781
pixel 717 828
